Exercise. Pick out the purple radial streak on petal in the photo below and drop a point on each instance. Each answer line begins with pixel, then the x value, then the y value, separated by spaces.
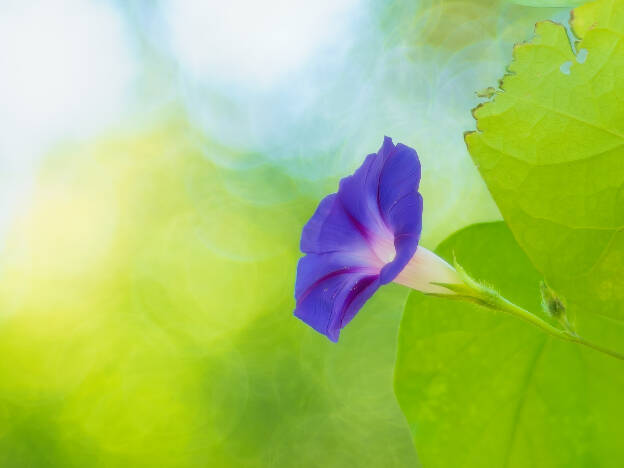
pixel 330 229
pixel 315 268
pixel 379 179
pixel 368 237
pixel 324 306
pixel 350 300
pixel 344 271
pixel 357 297
pixel 359 191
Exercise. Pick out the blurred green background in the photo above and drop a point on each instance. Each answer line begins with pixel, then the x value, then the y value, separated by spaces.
pixel 158 162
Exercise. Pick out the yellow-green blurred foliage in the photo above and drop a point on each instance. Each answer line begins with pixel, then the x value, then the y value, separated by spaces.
pixel 146 300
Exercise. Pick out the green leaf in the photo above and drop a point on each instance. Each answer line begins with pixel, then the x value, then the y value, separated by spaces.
pixel 547 3
pixel 483 389
pixel 550 147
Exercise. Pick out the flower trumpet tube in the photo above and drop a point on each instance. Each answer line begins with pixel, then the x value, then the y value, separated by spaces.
pixel 426 272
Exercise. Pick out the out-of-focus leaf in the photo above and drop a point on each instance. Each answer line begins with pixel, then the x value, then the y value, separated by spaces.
pixel 484 389
pixel 146 298
pixel 550 147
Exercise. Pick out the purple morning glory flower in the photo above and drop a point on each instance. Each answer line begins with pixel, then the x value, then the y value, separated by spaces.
pixel 363 237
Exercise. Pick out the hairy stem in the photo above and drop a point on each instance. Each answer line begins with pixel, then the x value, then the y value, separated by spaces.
pixel 504 305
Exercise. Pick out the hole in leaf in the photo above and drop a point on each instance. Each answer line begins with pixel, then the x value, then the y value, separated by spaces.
pixel 565 67
pixel 582 56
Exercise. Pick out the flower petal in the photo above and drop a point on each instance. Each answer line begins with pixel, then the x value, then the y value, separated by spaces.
pixel 329 294
pixel 359 193
pixel 406 217
pixel 399 177
pixel 402 207
pixel 332 229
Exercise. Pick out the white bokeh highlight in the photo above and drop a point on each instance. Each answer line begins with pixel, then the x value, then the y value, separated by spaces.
pixel 66 73
pixel 252 44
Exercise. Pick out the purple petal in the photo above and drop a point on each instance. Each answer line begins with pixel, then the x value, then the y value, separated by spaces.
pixel 332 229
pixel 360 192
pixel 329 293
pixel 407 217
pixel 311 235
pixel 402 206
pixel 400 176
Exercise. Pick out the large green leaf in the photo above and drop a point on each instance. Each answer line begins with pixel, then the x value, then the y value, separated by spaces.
pixel 550 147
pixel 481 389
pixel 547 3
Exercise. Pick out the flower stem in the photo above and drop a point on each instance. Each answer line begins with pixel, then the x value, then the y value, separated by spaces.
pixel 504 305
pixel 456 284
pixel 468 289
